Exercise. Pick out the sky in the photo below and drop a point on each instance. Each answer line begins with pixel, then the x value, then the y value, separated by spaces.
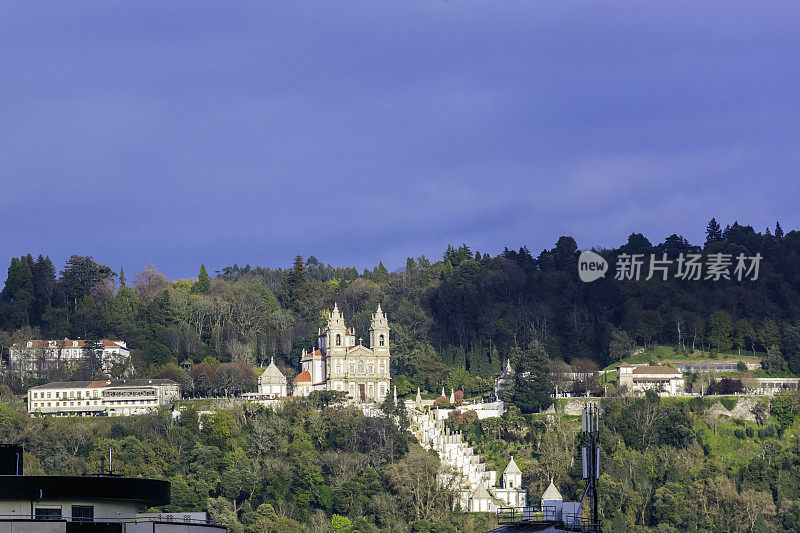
pixel 180 133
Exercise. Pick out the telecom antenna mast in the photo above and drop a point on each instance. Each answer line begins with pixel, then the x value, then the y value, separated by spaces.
pixel 590 455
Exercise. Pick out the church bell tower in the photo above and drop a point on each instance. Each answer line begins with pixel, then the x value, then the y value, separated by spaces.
pixel 379 333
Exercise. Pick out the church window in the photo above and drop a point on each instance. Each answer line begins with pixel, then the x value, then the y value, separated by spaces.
pixel 361 367
pixel 380 340
pixel 380 369
pixel 371 369
pixel 338 340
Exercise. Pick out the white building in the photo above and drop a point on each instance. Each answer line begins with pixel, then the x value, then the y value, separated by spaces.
pixel 98 398
pixel 341 364
pixel 34 358
pixel 637 379
pixel 272 386
pixel 272 382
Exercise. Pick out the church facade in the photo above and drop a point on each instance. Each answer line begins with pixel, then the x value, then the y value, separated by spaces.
pixel 340 363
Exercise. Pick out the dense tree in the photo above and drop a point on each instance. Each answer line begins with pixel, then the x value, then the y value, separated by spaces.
pixel 203 283
pixel 532 389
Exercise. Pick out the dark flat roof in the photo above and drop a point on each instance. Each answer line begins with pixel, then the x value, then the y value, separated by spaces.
pixel 151 492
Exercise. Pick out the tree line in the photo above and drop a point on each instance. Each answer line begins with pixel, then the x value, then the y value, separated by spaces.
pixel 455 321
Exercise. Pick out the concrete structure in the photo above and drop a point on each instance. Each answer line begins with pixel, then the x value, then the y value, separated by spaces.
pixel 36 358
pixel 462 469
pixel 101 398
pixel 769 386
pixel 721 366
pixel 103 503
pixel 341 364
pixel 637 379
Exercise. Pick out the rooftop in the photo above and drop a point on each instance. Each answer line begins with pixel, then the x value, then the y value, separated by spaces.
pixel 105 383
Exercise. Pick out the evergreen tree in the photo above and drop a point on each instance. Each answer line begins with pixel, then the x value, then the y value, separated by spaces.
pixel 203 283
pixel 17 295
pixel 380 274
pixel 778 231
pixel 44 282
pixel 713 232
pixel 721 330
pixel 533 387
pixel 92 368
pixel 122 277
pixel 81 275
pixel 295 285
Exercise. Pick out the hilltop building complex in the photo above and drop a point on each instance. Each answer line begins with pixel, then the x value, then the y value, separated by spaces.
pixel 340 363
pixel 36 358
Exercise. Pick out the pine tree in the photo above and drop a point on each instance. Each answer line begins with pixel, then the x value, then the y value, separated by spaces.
pixel 778 231
pixel 713 232
pixel 17 295
pixel 44 282
pixel 203 283
pixel 533 386
pixel 379 273
pixel 122 277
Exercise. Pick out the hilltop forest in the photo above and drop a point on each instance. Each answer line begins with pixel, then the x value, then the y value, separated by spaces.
pixel 675 464
pixel 454 321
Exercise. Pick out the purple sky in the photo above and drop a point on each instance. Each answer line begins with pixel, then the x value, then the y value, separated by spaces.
pixel 179 133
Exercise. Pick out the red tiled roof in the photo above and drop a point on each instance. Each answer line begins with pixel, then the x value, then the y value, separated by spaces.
pixel 658 369
pixel 315 353
pixel 303 377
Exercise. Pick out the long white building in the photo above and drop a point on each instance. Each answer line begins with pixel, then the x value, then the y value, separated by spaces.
pixel 101 398
pixel 34 358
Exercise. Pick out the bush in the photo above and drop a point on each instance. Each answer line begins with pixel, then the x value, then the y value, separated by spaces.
pixel 740 434
pixel 725 386
pixel 749 432
pixel 767 432
pixel 741 366
pixel 729 403
pixel 737 421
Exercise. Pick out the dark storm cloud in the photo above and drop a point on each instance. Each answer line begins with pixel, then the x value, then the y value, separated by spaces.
pixel 180 133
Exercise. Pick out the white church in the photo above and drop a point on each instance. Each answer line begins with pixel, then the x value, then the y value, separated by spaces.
pixel 341 364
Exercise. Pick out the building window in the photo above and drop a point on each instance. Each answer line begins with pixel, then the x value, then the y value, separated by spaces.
pixel 82 513
pixel 370 369
pixel 361 367
pixel 48 513
pixel 381 340
pixel 338 340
